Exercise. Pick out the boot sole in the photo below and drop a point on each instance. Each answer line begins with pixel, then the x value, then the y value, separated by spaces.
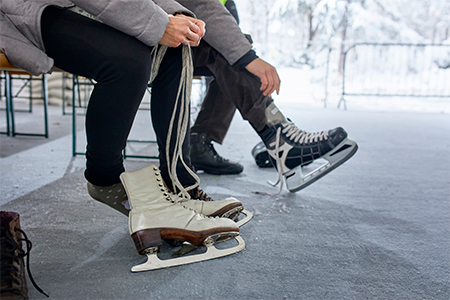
pixel 216 171
pixel 152 238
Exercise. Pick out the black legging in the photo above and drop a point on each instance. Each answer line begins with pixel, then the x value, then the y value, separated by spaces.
pixel 120 64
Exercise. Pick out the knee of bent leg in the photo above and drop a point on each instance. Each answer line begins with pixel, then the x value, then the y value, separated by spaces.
pixel 131 63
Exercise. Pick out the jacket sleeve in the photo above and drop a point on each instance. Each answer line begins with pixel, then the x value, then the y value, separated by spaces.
pixel 143 19
pixel 173 7
pixel 18 48
pixel 222 31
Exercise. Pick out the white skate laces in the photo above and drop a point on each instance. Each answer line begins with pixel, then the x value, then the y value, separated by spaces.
pixel 184 90
pixel 279 165
pixel 297 135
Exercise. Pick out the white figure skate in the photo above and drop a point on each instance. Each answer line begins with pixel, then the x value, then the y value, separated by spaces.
pixel 290 148
pixel 155 216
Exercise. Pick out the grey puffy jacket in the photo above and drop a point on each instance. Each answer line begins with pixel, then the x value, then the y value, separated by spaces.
pixel 20 30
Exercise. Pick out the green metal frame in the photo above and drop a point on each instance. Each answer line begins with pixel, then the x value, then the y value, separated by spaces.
pixel 10 112
pixel 76 98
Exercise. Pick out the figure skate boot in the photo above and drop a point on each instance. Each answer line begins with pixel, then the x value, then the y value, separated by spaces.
pixel 155 216
pixel 290 148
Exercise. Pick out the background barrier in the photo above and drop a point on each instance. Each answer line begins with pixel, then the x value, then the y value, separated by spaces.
pixel 396 70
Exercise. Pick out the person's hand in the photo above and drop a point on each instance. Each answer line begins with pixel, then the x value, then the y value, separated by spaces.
pixel 201 25
pixel 270 81
pixel 182 30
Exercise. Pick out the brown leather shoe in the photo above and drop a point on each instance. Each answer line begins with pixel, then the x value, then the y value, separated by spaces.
pixel 12 271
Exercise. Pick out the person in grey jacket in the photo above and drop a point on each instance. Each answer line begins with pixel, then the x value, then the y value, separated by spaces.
pixel 114 46
pixel 242 81
pixel 115 51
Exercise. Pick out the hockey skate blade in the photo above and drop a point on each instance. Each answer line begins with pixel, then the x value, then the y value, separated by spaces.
pixel 248 217
pixel 295 180
pixel 154 262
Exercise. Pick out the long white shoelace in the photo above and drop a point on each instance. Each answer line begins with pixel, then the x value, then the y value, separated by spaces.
pixel 279 164
pixel 182 102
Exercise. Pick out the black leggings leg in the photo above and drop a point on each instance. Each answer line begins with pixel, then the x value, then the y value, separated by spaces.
pixel 121 66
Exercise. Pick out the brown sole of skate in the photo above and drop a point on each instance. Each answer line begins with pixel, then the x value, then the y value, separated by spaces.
pixel 150 238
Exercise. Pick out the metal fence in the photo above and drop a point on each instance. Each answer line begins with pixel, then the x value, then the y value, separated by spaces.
pixel 396 70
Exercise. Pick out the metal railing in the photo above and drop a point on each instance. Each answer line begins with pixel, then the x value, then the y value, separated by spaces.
pixel 396 70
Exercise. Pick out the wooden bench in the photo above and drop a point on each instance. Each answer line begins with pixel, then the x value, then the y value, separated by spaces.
pixel 9 71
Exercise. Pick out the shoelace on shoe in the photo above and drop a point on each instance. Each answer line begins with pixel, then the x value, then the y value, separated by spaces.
pixel 11 249
pixel 199 194
pixel 211 148
pixel 184 89
pixel 280 166
pixel 297 135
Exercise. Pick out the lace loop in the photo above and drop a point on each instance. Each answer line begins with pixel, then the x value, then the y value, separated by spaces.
pixel 27 254
pixel 12 250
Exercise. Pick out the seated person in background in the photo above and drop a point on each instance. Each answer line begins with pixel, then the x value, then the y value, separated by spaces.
pixel 244 81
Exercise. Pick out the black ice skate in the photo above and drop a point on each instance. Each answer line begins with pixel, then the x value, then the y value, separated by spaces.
pixel 290 148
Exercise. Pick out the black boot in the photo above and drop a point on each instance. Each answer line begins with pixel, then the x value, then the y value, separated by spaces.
pixel 204 157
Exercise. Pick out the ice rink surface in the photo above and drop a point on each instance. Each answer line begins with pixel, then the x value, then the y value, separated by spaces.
pixel 375 228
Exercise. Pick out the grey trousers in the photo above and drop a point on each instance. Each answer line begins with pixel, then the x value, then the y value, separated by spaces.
pixel 233 88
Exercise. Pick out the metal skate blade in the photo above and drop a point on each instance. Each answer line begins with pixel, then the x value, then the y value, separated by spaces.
pixel 295 180
pixel 154 262
pixel 187 247
pixel 248 217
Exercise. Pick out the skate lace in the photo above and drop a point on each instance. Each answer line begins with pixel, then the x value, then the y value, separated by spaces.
pixel 210 147
pixel 279 168
pixel 279 164
pixel 300 136
pixel 199 194
pixel 181 104
pixel 11 250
